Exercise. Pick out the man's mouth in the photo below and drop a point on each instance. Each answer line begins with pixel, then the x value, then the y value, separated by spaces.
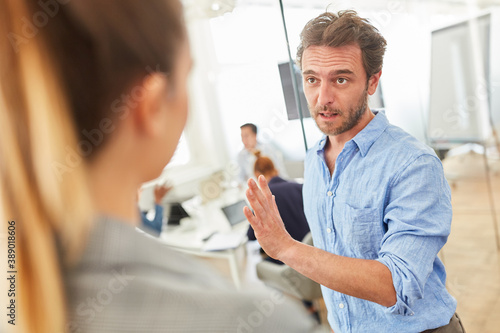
pixel 328 115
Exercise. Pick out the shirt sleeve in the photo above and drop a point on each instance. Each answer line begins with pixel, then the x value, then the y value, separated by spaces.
pixel 157 222
pixel 418 218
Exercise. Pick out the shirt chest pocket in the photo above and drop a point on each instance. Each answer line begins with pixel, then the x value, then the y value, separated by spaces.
pixel 362 231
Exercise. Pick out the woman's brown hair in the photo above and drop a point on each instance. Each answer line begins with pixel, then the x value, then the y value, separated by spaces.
pixel 264 165
pixel 66 67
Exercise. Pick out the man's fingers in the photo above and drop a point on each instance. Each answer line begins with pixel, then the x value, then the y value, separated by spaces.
pixel 275 206
pixel 254 201
pixel 262 201
pixel 264 187
pixel 257 207
pixel 249 215
pixel 258 195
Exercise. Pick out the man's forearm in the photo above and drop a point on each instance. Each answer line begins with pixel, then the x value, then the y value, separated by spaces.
pixel 361 278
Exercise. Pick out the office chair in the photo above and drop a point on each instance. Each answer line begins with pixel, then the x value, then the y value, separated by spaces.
pixel 288 280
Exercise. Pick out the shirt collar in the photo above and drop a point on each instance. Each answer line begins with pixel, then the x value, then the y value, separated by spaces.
pixel 322 143
pixel 367 136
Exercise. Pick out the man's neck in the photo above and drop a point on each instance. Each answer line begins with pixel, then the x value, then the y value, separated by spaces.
pixel 251 149
pixel 336 143
pixel 340 139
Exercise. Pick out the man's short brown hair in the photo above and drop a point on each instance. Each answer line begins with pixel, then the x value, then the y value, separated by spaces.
pixel 344 28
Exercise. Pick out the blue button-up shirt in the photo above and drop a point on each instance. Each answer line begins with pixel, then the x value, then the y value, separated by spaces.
pixel 387 200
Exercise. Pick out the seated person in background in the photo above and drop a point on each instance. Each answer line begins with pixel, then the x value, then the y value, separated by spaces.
pixel 246 157
pixel 156 223
pixel 288 199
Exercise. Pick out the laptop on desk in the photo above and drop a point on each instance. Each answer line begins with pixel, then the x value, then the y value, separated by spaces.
pixel 232 239
pixel 234 213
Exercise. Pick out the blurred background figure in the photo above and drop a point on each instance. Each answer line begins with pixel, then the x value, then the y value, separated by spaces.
pixel 288 197
pixel 92 105
pixel 155 223
pixel 246 157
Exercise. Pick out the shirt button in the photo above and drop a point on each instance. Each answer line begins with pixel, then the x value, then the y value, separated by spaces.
pixel 328 230
pixel 341 305
pixel 329 193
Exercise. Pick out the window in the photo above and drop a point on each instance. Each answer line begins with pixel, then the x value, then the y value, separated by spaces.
pixel 182 154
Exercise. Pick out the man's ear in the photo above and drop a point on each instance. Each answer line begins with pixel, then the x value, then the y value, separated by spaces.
pixel 151 94
pixel 373 82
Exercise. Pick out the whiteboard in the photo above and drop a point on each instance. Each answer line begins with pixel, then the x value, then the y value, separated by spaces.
pixel 459 87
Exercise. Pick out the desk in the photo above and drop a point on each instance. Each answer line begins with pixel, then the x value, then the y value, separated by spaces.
pixel 190 237
pixel 229 255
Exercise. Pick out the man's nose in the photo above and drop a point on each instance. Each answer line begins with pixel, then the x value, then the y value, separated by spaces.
pixel 326 94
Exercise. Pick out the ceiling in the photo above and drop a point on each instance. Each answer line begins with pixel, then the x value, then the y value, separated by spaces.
pixel 372 4
pixel 215 8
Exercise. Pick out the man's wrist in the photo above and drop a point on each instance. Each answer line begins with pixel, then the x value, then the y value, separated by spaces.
pixel 290 251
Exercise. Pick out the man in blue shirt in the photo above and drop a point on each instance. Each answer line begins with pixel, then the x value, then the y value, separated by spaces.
pixel 376 199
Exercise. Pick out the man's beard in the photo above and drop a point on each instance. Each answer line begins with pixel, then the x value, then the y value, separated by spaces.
pixel 353 116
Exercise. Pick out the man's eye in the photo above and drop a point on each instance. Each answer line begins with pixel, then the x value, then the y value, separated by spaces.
pixel 341 80
pixel 311 80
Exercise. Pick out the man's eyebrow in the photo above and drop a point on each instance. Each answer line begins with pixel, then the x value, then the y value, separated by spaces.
pixel 309 71
pixel 342 71
pixel 335 72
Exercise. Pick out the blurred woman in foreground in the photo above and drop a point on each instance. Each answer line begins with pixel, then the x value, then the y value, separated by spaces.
pixel 92 103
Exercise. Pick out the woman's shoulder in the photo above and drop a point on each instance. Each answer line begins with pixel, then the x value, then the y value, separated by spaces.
pixel 127 281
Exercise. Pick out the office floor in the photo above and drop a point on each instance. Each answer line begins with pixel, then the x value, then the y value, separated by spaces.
pixel 470 256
